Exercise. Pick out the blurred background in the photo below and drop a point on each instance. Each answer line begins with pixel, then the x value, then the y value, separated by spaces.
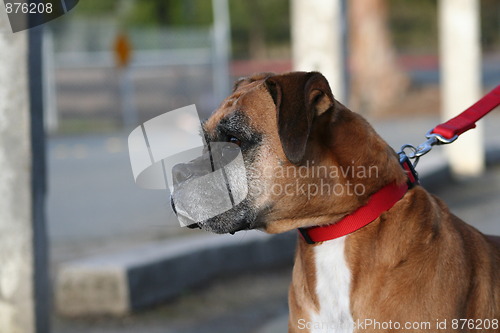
pixel 173 50
pixel 111 65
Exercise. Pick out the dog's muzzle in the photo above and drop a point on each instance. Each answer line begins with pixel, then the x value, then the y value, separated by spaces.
pixel 209 185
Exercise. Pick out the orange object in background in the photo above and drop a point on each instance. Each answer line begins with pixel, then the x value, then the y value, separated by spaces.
pixel 123 50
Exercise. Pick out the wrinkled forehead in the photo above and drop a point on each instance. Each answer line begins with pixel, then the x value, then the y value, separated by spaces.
pixel 249 98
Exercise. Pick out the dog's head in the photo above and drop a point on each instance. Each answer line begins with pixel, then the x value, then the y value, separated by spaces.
pixel 308 160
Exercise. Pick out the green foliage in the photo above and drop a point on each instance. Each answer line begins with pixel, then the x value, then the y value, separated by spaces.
pixel 271 19
pixel 95 7
pixel 413 25
pixel 266 23
pixel 490 24
pixel 177 13
pixel 261 19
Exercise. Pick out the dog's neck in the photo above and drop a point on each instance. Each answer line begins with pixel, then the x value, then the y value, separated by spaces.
pixel 331 264
pixel 330 289
pixel 336 263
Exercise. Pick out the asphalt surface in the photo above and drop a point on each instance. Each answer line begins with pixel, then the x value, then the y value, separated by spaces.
pixel 94 205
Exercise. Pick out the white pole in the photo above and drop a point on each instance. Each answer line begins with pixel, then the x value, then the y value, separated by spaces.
pixel 222 49
pixel 49 83
pixel 17 303
pixel 127 97
pixel 460 58
pixel 317 40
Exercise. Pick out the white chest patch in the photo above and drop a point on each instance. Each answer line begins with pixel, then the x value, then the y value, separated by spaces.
pixel 333 280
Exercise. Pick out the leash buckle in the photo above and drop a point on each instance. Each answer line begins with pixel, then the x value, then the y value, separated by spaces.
pixel 433 139
pixel 426 147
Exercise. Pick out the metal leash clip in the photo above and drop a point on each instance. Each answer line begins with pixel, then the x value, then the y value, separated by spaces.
pixel 433 139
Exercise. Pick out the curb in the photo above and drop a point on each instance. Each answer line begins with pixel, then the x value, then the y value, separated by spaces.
pixel 117 284
pixel 120 283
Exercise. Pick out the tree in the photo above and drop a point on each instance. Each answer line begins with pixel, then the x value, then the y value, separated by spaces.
pixel 376 80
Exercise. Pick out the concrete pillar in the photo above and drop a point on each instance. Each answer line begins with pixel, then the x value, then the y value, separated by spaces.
pixel 318 28
pixel 221 49
pixel 460 59
pixel 49 83
pixel 21 262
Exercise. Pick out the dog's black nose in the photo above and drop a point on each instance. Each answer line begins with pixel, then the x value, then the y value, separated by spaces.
pixel 181 172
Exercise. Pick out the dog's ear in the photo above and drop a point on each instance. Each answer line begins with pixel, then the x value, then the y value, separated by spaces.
pixel 243 81
pixel 299 98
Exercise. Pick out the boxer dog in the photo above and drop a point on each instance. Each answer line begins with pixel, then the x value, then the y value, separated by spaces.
pixel 400 261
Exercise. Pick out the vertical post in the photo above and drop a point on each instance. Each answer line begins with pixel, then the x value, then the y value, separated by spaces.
pixel 16 248
pixel 127 97
pixel 123 57
pixel 49 83
pixel 24 291
pixel 40 276
pixel 318 29
pixel 460 58
pixel 222 49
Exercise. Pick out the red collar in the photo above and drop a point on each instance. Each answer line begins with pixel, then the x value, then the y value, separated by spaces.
pixel 380 202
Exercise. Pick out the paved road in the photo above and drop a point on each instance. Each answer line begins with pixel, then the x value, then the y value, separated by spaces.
pixel 93 203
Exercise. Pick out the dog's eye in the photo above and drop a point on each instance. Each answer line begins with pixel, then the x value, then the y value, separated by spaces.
pixel 235 140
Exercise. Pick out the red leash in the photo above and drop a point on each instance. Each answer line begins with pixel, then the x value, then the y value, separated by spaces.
pixel 467 119
pixel 449 131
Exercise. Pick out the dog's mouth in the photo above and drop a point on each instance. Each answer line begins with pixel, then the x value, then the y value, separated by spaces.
pixel 237 219
pixel 215 225
pixel 194 226
pixel 209 227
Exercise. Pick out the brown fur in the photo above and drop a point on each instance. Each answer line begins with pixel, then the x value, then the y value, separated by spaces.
pixel 416 262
